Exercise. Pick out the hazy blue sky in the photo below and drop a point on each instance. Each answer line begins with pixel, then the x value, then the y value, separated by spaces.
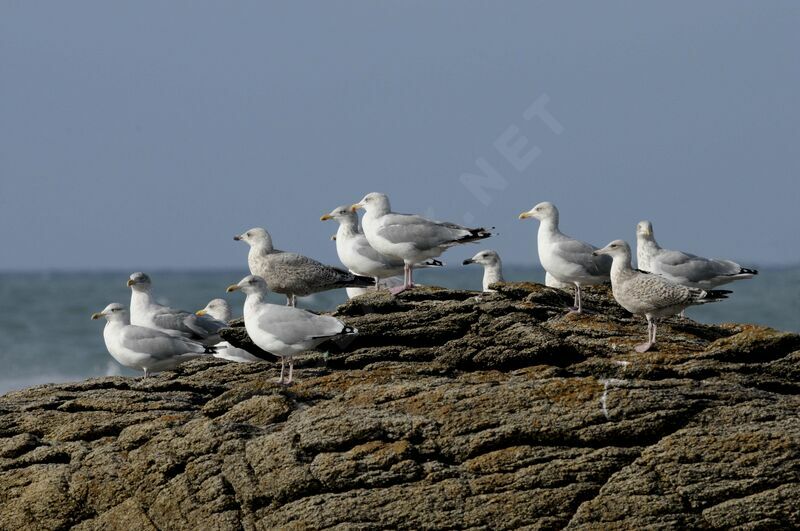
pixel 142 135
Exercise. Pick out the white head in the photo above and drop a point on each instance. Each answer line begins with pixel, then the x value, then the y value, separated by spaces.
pixel 218 309
pixel 644 229
pixel 255 237
pixel 114 312
pixel 373 202
pixel 615 249
pixel 485 258
pixel 139 282
pixel 542 211
pixel 343 214
pixel 251 284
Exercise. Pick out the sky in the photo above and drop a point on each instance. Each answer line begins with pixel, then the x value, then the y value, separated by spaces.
pixel 144 135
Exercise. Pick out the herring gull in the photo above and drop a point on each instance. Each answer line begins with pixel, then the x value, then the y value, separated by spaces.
pixel 492 267
pixel 293 274
pixel 146 349
pixel 357 254
pixel 552 282
pixel 284 330
pixel 684 268
pixel 148 313
pixel 409 237
pixel 650 295
pixel 220 310
pixel 566 259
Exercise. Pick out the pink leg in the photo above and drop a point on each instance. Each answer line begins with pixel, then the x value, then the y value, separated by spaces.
pixel 291 369
pixel 283 363
pixel 576 304
pixel 651 336
pixel 407 283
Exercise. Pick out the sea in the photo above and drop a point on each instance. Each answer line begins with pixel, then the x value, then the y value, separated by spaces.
pixel 48 336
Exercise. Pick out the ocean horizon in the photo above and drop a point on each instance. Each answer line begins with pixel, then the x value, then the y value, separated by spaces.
pixel 50 338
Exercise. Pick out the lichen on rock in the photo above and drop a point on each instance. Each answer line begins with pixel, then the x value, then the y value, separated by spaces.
pixel 449 409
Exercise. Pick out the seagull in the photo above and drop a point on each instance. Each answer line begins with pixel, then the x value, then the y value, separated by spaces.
pixel 566 259
pixel 385 283
pixel 650 295
pixel 552 282
pixel 357 254
pixel 146 312
pixel 292 274
pixel 409 237
pixel 142 348
pixel 283 330
pixel 492 267
pixel 220 310
pixel 684 268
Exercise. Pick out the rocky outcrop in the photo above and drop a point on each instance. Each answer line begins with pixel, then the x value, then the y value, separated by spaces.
pixel 449 410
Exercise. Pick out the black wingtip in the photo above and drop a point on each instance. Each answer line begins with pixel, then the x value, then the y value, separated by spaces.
pixel 746 271
pixel 210 350
pixel 718 293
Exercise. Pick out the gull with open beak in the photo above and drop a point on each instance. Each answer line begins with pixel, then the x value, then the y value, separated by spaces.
pixel 358 255
pixel 284 330
pixel 566 259
pixel 142 348
pixel 293 274
pixel 408 237
pixel 650 295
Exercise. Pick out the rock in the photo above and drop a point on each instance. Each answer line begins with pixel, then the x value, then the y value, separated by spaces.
pixel 449 409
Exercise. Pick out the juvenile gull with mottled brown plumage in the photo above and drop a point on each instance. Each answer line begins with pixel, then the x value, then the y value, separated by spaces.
pixel 650 295
pixel 293 274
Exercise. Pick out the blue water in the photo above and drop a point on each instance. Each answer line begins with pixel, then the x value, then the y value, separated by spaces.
pixel 48 335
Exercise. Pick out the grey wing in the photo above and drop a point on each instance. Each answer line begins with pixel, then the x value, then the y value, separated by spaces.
pixel 694 268
pixel 578 252
pixel 657 292
pixel 156 343
pixel 171 319
pixel 293 325
pixel 204 325
pixel 421 232
pixel 292 265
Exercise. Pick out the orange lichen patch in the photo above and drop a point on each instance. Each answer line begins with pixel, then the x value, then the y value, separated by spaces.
pixel 570 391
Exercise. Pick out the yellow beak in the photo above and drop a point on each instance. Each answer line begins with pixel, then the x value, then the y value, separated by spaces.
pixel 355 207
pixel 232 288
pixel 200 313
pixel 525 215
pixel 97 315
pixel 131 283
pixel 326 217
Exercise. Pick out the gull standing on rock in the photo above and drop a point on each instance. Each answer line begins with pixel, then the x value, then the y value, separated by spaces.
pixel 282 330
pixel 293 274
pixel 146 349
pixel 148 313
pixel 650 295
pixel 492 267
pixel 357 254
pixel 409 237
pixel 566 259
pixel 683 268
pixel 220 310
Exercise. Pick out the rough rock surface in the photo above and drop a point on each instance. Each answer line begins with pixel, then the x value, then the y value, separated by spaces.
pixel 449 410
